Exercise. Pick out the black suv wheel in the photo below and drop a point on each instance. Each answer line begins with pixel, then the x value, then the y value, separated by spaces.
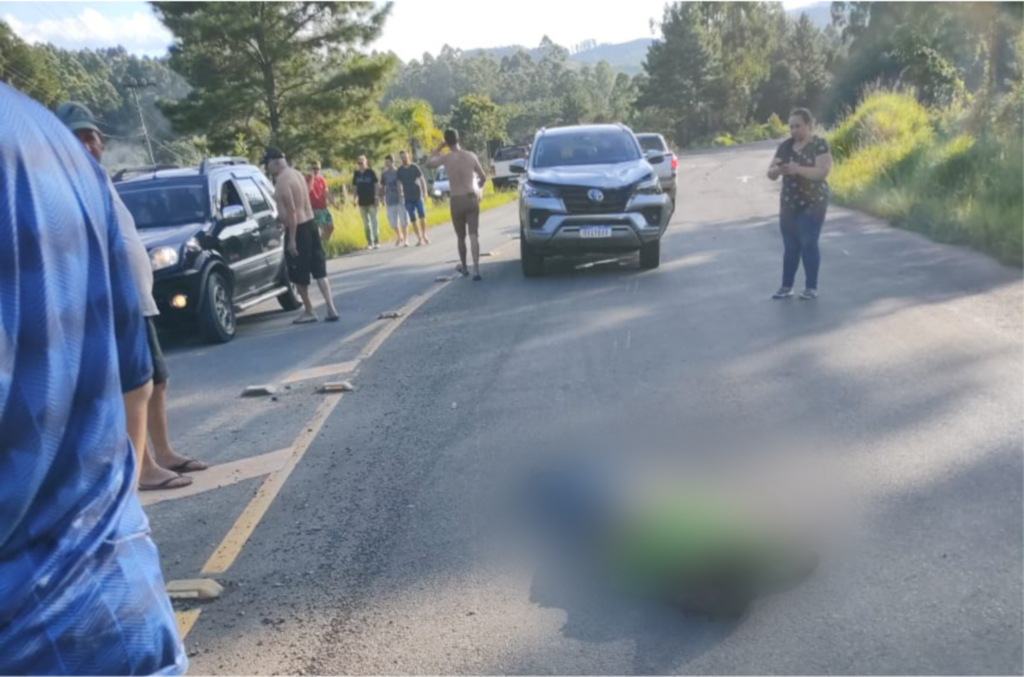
pixel 650 255
pixel 217 314
pixel 533 263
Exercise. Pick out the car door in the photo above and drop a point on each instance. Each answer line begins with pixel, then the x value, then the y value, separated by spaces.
pixel 270 232
pixel 239 241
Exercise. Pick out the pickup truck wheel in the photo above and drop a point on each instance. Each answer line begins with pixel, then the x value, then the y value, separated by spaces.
pixel 290 300
pixel 650 255
pixel 533 263
pixel 217 314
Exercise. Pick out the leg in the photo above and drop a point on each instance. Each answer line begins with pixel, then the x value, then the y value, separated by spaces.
pixel 791 241
pixel 809 226
pixel 458 214
pixel 318 268
pixel 364 213
pixel 163 454
pixel 423 220
pixel 375 227
pixel 473 225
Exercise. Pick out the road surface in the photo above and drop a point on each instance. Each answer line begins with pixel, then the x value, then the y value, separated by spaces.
pixel 375 532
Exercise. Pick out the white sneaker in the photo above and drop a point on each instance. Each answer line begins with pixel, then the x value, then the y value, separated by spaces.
pixel 783 293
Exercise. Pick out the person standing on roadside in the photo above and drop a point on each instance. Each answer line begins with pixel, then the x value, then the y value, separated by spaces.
pixel 80 576
pixel 367 188
pixel 164 468
pixel 466 178
pixel 414 189
pixel 304 251
pixel 393 202
pixel 803 161
pixel 319 197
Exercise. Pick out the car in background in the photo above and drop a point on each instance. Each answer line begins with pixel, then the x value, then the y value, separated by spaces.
pixel 501 173
pixel 590 189
pixel 213 239
pixel 440 188
pixel 653 145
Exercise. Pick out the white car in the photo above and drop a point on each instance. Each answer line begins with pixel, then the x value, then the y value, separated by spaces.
pixel 655 145
pixel 440 189
pixel 501 173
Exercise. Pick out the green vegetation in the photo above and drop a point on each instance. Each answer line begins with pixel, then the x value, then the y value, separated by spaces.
pixel 926 172
pixel 348 226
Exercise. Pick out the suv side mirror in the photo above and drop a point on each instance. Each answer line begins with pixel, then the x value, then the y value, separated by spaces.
pixel 517 167
pixel 231 215
pixel 656 159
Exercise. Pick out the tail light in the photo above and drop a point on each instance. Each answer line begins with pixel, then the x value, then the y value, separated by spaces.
pixel 675 162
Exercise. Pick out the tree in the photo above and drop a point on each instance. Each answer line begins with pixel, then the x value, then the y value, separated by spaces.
pixel 415 121
pixel 283 73
pixel 682 76
pixel 28 69
pixel 479 121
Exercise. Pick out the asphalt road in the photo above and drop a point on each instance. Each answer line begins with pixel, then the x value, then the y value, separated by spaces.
pixel 887 415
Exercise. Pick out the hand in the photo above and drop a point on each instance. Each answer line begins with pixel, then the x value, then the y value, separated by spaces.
pixel 440 148
pixel 789 169
pixel 293 251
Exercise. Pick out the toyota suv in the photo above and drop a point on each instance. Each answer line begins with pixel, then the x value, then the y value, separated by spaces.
pixel 590 189
pixel 213 239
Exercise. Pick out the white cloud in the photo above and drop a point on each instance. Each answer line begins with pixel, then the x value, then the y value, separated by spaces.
pixel 139 32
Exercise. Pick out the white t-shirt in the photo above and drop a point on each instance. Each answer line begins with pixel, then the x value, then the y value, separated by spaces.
pixel 138 257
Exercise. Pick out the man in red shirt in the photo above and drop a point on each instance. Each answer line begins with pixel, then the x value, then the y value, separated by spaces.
pixel 319 196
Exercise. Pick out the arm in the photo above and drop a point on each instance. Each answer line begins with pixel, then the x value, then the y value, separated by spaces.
pixel 479 169
pixel 437 159
pixel 822 167
pixel 774 170
pixel 286 215
pixel 423 188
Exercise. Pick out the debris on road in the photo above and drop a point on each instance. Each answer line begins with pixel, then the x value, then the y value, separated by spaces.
pixel 443 278
pixel 194 588
pixel 390 315
pixel 337 387
pixel 259 391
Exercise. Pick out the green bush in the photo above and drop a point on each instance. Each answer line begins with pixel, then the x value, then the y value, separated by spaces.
pixel 921 170
pixel 776 127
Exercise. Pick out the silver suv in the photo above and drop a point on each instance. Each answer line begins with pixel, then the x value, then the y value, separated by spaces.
pixel 590 189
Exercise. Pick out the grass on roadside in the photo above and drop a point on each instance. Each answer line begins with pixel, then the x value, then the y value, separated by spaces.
pixel 348 226
pixel 921 170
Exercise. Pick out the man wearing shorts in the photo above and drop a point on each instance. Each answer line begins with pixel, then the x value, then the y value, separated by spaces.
pixel 367 188
pixel 164 468
pixel 394 203
pixel 319 196
pixel 414 188
pixel 466 177
pixel 305 252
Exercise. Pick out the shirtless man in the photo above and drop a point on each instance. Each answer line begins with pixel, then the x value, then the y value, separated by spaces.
pixel 304 252
pixel 463 167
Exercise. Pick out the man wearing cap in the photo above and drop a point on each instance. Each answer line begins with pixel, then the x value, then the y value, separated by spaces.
pixel 80 576
pixel 163 469
pixel 305 251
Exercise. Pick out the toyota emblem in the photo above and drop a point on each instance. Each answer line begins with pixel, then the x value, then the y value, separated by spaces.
pixel 595 195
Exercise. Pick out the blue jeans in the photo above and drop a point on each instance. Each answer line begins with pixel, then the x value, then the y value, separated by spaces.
pixel 800 232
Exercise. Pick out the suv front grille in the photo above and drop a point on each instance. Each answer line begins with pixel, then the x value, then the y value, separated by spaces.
pixel 577 202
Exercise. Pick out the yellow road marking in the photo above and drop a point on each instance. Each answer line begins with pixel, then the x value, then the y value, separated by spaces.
pixel 405 311
pixel 320 372
pixel 185 620
pixel 222 475
pixel 230 547
pixel 355 336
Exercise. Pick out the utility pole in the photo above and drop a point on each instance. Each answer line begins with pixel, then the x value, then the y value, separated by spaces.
pixel 134 85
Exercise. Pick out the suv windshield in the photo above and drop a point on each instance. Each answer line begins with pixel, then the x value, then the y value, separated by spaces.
pixel 585 147
pixel 650 142
pixel 160 206
pixel 509 153
pixel 440 174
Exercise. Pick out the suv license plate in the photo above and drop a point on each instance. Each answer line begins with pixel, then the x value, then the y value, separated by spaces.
pixel 595 231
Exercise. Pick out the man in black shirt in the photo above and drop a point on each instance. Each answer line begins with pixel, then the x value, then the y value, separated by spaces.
pixel 367 189
pixel 414 187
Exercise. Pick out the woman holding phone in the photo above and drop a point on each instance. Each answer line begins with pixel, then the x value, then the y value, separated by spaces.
pixel 803 161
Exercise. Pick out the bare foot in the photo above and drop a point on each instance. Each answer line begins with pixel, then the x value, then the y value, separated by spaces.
pixel 178 463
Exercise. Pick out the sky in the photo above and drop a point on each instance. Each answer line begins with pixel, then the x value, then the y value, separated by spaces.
pixel 414 27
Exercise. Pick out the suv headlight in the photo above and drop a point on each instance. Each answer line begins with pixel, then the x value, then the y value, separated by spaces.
pixel 649 186
pixel 163 257
pixel 533 190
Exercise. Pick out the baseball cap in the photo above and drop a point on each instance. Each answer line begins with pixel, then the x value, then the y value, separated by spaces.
pixel 76 116
pixel 272 154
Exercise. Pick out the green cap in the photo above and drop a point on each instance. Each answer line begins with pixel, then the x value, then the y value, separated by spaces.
pixel 76 116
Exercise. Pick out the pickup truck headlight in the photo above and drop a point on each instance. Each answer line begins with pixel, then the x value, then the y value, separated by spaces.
pixel 533 190
pixel 649 186
pixel 163 257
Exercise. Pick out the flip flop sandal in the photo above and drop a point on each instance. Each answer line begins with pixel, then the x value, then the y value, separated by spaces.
pixel 333 318
pixel 184 467
pixel 166 484
pixel 306 320
pixel 462 270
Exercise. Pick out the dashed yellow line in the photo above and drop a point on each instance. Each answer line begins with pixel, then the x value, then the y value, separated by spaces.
pixel 185 620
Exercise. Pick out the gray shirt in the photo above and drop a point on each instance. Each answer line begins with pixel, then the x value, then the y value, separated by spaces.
pixel 138 257
pixel 392 187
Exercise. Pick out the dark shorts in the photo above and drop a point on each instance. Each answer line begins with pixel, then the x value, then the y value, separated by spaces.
pixel 159 363
pixel 311 260
pixel 415 207
pixel 465 214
